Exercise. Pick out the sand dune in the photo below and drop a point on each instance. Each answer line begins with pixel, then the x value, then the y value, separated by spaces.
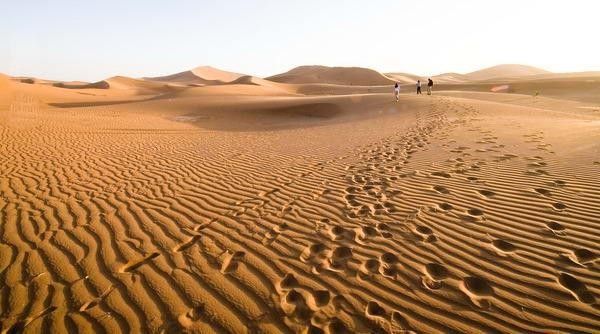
pixel 494 73
pixel 252 208
pixel 203 75
pixel 252 80
pixel 83 85
pixel 450 78
pixel 140 86
pixel 333 75
pixel 576 88
pixel 504 71
pixel 404 78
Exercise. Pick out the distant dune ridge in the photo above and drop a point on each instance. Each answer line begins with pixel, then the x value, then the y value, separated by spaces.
pixel 203 75
pixel 324 80
pixel 495 72
pixel 307 202
pixel 309 74
pixel 505 70
pixel 332 75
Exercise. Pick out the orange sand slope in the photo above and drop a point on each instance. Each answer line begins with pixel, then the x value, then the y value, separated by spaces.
pixel 154 207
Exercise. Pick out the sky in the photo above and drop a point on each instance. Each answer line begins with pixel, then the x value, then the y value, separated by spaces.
pixel 93 40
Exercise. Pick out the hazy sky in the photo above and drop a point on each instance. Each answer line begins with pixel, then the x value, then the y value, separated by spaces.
pixel 92 40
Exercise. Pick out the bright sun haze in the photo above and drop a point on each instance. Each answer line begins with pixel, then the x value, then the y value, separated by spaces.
pixel 84 40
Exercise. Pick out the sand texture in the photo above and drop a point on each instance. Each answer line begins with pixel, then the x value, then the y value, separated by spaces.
pixel 214 202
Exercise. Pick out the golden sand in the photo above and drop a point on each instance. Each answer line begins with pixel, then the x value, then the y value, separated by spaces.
pixel 155 206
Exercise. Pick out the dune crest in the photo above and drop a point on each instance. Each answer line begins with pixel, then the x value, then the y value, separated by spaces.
pixel 202 75
pixel 332 75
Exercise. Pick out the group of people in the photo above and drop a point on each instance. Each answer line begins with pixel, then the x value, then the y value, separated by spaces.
pixel 429 88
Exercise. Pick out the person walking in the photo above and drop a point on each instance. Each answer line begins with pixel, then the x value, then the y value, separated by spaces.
pixel 397 92
pixel 429 86
pixel 418 87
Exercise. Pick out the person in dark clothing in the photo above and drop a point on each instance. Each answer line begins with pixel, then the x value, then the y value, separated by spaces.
pixel 429 86
pixel 418 86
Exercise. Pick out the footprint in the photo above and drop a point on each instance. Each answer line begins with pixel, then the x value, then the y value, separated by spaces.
pixel 273 233
pixel 542 191
pixel 441 189
pixel 351 190
pixel 425 233
pixel 181 247
pixel 502 247
pixel 399 324
pixel 474 212
pixel 435 274
pixel 581 256
pixel 486 193
pixel 294 306
pixel 445 206
pixel 388 267
pixel 364 233
pixel 339 258
pixel 558 206
pixel 288 282
pixel 559 183
pixel 556 228
pixel 337 232
pixel 313 253
pixel 423 230
pixel 336 326
pixel 388 258
pixel 312 329
pixel 576 288
pixel 478 290
pixel 319 299
pixel 389 207
pixel 374 310
pixel 133 265
pixel 231 261
pixel 384 230
pixel 442 174
pixel 88 305
pixel 370 266
pixel 350 198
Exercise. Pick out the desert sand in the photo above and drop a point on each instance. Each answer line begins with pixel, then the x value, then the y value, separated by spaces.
pixel 215 202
